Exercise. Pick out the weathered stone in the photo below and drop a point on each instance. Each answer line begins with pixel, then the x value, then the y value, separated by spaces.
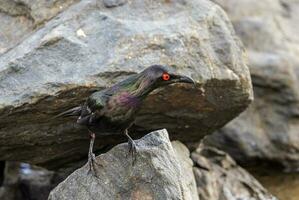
pixel 189 184
pixel 9 188
pixel 90 46
pixel 160 172
pixel 283 185
pixel 218 177
pixel 268 130
pixel 38 11
pixel 114 3
pixel 19 18
pixel 22 181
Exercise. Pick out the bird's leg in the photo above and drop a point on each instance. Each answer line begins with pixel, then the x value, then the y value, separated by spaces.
pixel 132 147
pixel 91 157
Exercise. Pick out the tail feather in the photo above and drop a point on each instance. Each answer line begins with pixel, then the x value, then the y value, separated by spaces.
pixel 76 111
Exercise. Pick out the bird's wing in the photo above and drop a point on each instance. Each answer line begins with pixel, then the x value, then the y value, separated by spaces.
pixel 97 101
pixel 91 110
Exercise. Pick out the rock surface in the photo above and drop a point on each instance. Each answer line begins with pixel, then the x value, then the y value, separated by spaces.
pixel 25 182
pixel 218 177
pixel 161 172
pixel 19 18
pixel 283 185
pixel 268 130
pixel 93 44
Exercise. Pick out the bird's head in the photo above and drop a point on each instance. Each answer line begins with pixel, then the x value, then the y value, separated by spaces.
pixel 157 76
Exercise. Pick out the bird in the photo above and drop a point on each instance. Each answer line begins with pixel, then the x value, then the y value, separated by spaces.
pixel 113 110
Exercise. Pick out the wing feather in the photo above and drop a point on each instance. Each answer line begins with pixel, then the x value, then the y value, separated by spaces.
pixel 91 110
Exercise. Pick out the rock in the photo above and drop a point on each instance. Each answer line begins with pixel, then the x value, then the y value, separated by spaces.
pixel 189 184
pixel 9 187
pixel 283 185
pixel 19 18
pixel 22 181
pixel 159 173
pixel 2 171
pixel 218 177
pixel 89 46
pixel 268 130
pixel 39 11
pixel 114 3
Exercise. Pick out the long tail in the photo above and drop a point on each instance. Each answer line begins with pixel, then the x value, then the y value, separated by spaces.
pixel 76 111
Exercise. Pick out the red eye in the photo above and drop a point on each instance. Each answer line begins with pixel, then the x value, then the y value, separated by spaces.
pixel 165 76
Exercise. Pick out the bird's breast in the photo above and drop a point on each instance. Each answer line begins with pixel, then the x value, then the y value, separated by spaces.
pixel 122 107
pixel 125 99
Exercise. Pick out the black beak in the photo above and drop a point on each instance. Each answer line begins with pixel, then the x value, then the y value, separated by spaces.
pixel 184 79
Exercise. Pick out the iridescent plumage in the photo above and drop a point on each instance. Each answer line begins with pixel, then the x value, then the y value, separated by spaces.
pixel 113 110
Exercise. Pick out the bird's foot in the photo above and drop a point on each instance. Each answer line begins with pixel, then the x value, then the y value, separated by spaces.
pixel 93 164
pixel 132 150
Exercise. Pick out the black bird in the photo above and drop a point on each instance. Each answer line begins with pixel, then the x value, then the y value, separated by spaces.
pixel 113 110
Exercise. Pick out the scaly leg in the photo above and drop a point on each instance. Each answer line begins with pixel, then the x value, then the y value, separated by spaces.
pixel 132 147
pixel 91 157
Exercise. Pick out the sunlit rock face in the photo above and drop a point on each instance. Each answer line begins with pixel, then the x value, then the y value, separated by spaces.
pixel 94 44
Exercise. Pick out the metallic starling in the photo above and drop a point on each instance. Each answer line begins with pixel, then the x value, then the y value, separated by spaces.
pixel 113 110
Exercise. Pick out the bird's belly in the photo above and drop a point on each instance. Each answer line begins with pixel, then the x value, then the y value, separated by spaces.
pixel 121 115
pixel 106 126
pixel 115 119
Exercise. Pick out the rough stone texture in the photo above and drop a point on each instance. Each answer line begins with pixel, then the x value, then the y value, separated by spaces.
pixel 25 182
pixel 268 130
pixel 218 177
pixel 90 46
pixel 114 3
pixel 160 172
pixel 283 185
pixel 19 18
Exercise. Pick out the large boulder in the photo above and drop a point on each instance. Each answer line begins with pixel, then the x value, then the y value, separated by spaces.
pixel 268 130
pixel 218 177
pixel 19 18
pixel 93 44
pixel 160 172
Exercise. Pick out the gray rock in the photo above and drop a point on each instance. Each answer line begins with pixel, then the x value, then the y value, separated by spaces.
pixel 189 184
pixel 218 177
pixel 19 18
pixel 114 3
pixel 268 130
pixel 90 46
pixel 22 181
pixel 39 11
pixel 160 173
pixel 9 185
